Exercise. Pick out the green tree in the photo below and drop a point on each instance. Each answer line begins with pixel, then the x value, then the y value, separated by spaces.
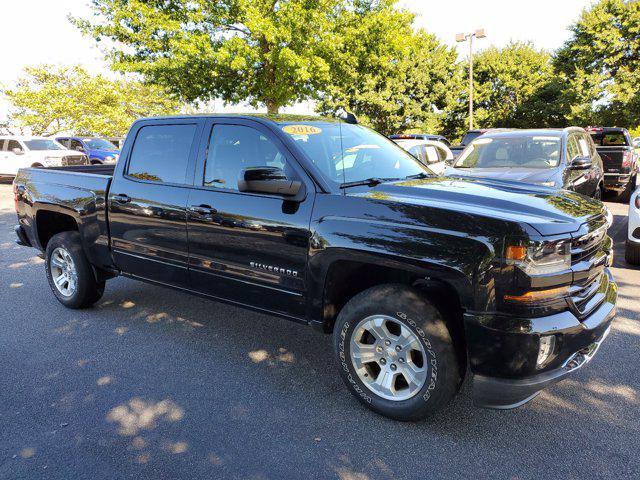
pixel 514 86
pixel 601 61
pixel 50 99
pixel 392 78
pixel 264 52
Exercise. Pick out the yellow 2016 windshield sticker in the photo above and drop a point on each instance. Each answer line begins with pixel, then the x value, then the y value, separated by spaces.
pixel 301 130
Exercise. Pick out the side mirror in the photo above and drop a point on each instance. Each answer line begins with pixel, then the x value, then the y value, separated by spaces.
pixel 17 151
pixel 581 163
pixel 267 180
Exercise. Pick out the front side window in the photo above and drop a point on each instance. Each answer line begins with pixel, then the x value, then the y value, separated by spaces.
pixel 161 153
pixel 573 148
pixel 418 152
pixel 76 145
pixel 511 152
pixel 232 148
pixel 351 153
pixel 42 144
pixel 11 144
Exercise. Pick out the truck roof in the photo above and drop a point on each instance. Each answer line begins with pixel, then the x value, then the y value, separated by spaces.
pixel 277 119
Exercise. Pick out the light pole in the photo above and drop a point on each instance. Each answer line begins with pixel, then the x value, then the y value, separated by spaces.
pixel 462 37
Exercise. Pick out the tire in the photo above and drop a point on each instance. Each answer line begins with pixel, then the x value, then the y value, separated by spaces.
pixel 598 193
pixel 66 249
pixel 625 196
pixel 409 313
pixel 632 253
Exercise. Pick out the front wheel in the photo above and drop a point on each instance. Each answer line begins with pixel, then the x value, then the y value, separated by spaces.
pixel 69 273
pixel 395 353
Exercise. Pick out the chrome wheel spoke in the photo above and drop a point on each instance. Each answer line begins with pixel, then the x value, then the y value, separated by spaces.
pixel 363 353
pixel 385 381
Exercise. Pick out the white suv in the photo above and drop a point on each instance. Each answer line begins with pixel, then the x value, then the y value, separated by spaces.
pixel 23 152
pixel 632 250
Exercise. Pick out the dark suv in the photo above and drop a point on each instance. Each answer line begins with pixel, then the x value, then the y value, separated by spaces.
pixel 565 159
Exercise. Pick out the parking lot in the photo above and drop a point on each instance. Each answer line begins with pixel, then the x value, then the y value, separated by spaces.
pixel 152 383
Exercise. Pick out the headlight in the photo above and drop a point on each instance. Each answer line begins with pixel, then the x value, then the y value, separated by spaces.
pixel 543 257
pixel 109 159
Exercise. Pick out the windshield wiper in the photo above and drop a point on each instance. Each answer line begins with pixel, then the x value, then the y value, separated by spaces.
pixel 417 176
pixel 370 182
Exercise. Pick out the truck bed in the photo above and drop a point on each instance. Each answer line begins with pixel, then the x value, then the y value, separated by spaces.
pixel 46 196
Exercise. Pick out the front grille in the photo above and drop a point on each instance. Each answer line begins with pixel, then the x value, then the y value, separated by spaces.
pixel 589 257
pixel 587 246
pixel 71 160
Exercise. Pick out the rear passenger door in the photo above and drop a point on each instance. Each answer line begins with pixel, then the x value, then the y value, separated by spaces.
pixel 249 248
pixel 148 198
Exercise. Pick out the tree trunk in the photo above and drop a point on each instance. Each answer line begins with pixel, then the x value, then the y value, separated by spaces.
pixel 272 107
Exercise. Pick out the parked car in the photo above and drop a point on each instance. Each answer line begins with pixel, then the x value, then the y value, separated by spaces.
pixel 99 150
pixel 619 158
pixel 420 136
pixel 564 158
pixel 433 154
pixel 329 224
pixel 470 136
pixel 18 152
pixel 636 142
pixel 632 247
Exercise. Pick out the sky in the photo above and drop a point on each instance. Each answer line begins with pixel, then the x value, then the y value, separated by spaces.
pixel 38 31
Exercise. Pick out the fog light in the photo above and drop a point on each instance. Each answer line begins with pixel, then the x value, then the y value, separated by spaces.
pixel 547 345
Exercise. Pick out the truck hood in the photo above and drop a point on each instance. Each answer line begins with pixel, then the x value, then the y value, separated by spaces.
pixel 547 210
pixel 526 175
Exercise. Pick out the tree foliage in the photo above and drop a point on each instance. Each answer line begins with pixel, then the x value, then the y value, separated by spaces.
pixel 514 87
pixel 392 78
pixel 49 100
pixel 601 61
pixel 264 52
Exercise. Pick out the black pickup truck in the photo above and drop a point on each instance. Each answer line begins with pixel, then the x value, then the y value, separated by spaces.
pixel 422 280
pixel 619 159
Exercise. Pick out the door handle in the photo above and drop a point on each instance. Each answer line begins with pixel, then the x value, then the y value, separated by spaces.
pixel 202 210
pixel 121 198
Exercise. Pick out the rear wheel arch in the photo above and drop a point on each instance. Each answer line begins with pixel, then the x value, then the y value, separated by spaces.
pixel 50 223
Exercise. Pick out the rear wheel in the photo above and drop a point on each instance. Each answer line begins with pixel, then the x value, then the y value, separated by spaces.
pixel 632 253
pixel 69 273
pixel 395 353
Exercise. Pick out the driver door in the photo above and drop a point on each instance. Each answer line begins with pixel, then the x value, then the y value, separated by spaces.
pixel 250 248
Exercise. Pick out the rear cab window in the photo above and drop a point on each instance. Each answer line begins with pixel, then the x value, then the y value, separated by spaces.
pixel 161 153
pixel 610 138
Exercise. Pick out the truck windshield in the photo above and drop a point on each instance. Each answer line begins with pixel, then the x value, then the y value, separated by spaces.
pixel 99 144
pixel 347 153
pixel 511 152
pixel 43 144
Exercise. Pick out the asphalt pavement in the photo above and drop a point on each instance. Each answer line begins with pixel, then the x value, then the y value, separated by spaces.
pixel 155 384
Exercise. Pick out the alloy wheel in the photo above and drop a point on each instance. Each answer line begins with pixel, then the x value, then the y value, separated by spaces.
pixel 388 357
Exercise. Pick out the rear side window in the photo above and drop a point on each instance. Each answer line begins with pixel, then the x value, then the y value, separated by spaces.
pixel 161 153
pixel 13 144
pixel 609 139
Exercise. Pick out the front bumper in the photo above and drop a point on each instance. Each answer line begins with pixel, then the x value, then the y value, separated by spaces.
pixel 504 363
